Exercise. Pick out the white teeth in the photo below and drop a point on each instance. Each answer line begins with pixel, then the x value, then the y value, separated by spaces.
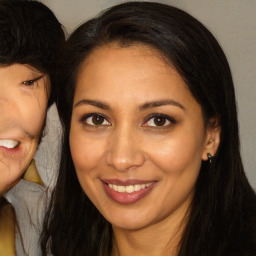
pixel 130 188
pixel 137 187
pixel 121 189
pixel 9 143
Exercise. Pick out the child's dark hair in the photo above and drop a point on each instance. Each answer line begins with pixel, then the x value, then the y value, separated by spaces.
pixel 31 34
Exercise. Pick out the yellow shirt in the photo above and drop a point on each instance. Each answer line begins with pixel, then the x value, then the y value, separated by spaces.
pixel 7 215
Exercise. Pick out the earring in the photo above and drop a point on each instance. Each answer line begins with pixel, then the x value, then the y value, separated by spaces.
pixel 209 157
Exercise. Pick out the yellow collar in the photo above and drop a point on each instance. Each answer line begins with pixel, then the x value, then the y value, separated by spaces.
pixel 32 174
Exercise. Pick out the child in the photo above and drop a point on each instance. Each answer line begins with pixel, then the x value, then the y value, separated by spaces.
pixel 30 39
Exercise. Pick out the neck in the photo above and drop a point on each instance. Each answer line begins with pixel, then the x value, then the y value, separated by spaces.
pixel 162 238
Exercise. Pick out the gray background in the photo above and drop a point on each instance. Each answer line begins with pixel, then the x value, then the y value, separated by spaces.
pixel 233 23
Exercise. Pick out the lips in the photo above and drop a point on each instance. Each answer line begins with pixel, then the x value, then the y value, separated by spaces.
pixel 127 192
pixel 9 143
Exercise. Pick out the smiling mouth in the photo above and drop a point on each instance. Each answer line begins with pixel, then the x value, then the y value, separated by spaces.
pixel 10 144
pixel 129 188
pixel 128 193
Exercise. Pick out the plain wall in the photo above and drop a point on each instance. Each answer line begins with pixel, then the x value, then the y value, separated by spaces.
pixel 233 23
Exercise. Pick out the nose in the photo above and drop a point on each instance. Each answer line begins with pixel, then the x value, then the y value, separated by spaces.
pixel 125 150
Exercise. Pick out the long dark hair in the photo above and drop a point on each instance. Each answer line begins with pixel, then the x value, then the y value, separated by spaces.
pixel 31 34
pixel 222 217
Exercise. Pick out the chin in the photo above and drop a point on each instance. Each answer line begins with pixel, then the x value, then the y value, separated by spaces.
pixel 127 220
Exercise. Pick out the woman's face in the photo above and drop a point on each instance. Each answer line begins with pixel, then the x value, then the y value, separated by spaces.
pixel 137 136
pixel 23 105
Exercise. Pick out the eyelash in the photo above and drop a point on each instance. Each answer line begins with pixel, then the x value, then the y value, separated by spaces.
pixel 31 82
pixel 165 118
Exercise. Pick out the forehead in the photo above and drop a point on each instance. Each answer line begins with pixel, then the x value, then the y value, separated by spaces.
pixel 133 70
pixel 18 69
pixel 136 53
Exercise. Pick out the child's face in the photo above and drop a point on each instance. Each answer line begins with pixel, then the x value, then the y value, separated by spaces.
pixel 23 106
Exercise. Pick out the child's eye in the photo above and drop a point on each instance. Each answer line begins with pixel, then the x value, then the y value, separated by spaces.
pixel 159 120
pixel 95 120
pixel 28 83
pixel 31 82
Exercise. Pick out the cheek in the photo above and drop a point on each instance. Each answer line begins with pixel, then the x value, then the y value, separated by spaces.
pixel 177 154
pixel 86 153
pixel 38 121
pixel 33 115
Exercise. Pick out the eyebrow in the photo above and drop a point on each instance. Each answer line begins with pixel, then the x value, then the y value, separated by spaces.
pixel 95 103
pixel 159 103
pixel 147 105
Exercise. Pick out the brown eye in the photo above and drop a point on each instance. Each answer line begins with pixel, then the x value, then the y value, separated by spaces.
pixel 159 121
pixel 95 120
pixel 28 83
pixel 98 120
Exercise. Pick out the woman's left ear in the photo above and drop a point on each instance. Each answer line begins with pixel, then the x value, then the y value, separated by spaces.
pixel 212 138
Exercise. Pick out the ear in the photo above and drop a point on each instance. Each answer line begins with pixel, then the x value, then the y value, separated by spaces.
pixel 212 138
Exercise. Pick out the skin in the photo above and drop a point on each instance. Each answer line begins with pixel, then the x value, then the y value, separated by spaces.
pixel 23 106
pixel 122 85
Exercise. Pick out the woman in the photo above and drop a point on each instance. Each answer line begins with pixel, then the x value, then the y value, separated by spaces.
pixel 30 39
pixel 150 162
